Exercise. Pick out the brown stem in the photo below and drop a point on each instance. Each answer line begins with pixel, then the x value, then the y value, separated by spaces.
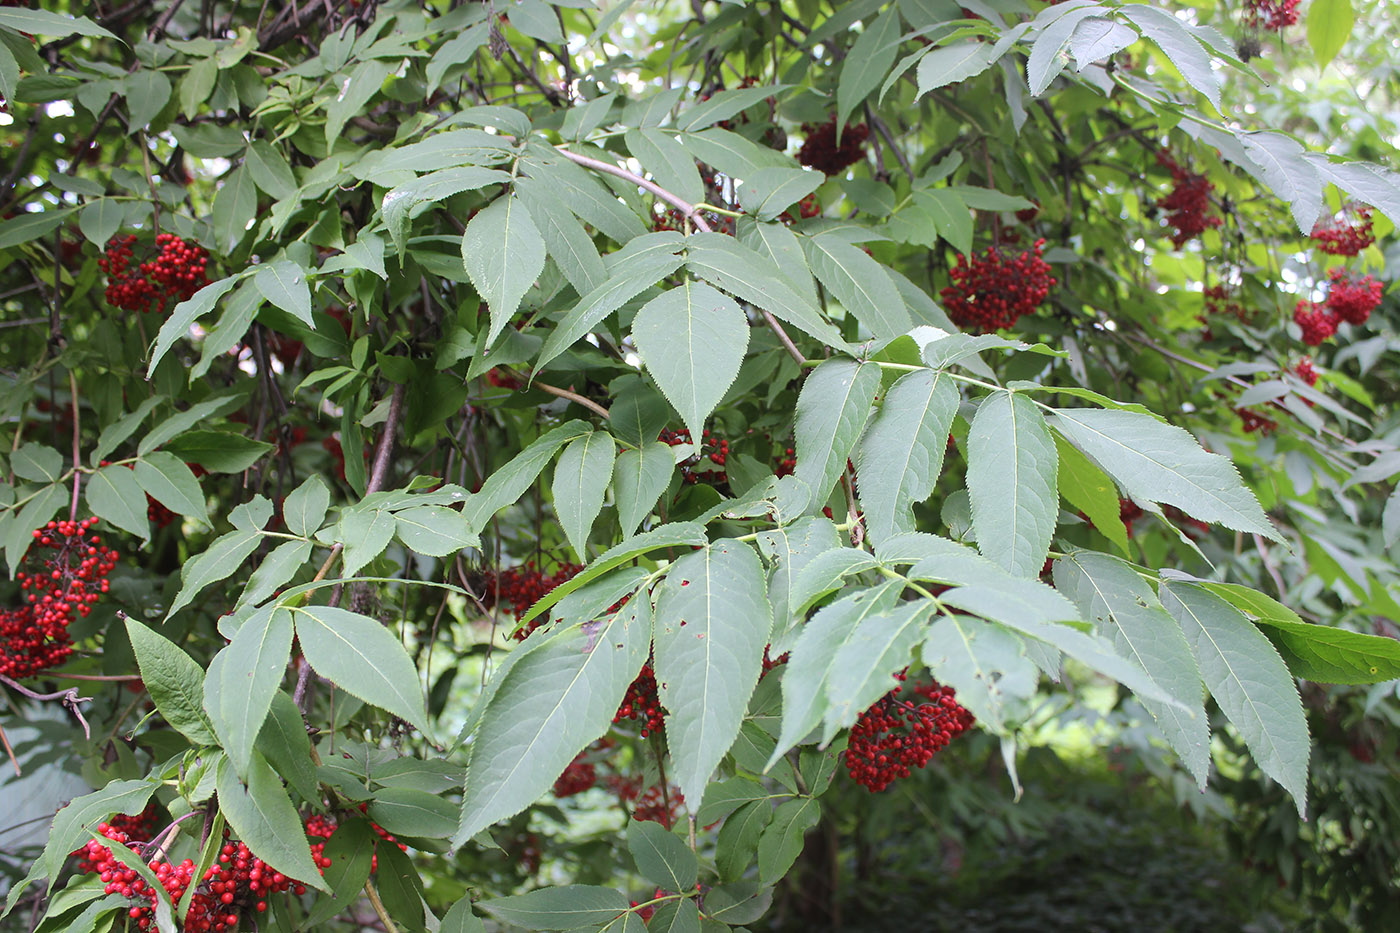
pixel 77 473
pixel 5 740
pixel 69 698
pixel 378 906
pixel 386 441
pixel 573 397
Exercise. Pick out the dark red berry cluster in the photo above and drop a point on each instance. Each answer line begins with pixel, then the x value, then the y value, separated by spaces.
pixel 896 735
pixel 1220 300
pixel 672 219
pixel 1129 512
pixel 1252 421
pixel 521 587
pixel 712 447
pixel 785 464
pixel 1349 300
pixel 659 803
pixel 34 637
pixel 1188 204
pixel 503 379
pixel 1345 236
pixel 993 291
pixel 173 276
pixel 821 151
pixel 1306 371
pixel 807 208
pixel 1273 15
pixel 580 775
pixel 642 702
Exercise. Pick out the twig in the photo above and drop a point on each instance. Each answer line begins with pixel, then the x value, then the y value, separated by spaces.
pixel 69 698
pixel 386 441
pixel 5 740
pixel 378 906
pixel 1269 566
pixel 77 472
pixel 164 20
pixel 573 397
pixel 783 338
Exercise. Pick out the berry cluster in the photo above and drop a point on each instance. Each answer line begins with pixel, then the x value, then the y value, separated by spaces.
pixel 895 735
pixel 1349 300
pixel 1220 300
pixel 1252 421
pixel 1305 371
pixel 1273 15
pixel 785 464
pixel 173 276
pixel 1188 204
pixel 821 151
pixel 323 827
pixel 521 587
pixel 806 208
pixel 1129 512
pixel 659 803
pixel 642 701
pixel 712 447
pixel 580 775
pixel 34 636
pixel 1341 236
pixel 990 292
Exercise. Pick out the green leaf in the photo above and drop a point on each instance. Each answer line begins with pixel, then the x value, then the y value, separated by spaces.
pixel 283 283
pixel 40 22
pixel 724 104
pixel 401 204
pixel 901 452
pixel 673 534
pixel 862 671
pixel 1011 482
pixel 219 451
pixel 550 704
pixel 1097 38
pixel 351 853
pixel 408 811
pixel 712 621
pixel 860 284
pixel 789 550
pixel 728 264
pixel 985 663
pixel 1319 653
pixel 30 226
pixel 1184 50
pixel 114 494
pixel 164 918
pixel 400 887
pixel 262 815
pixel 147 91
pixel 1156 462
pixel 953 63
pixel 781 842
pixel 38 463
pixel 305 507
pixel 580 481
pixel 352 93
pixel 778 247
pixel 832 409
pixel 100 220
pixel 770 191
pixel 584 194
pixel 868 61
pixel 36 513
pixel 1126 611
pixel 1329 27
pixel 460 919
pixel 221 559
pixel 185 314
pixel 508 484
pixel 1249 681
pixel 269 169
pixel 682 916
pixel 568 244
pixel 283 741
pixel 252 670
pixel 1085 487
pixel 235 205
pixel 640 476
pixel 73 826
pixel 667 161
pixel 365 534
pixel 692 340
pixel 950 216
pixel 1047 59
pixel 434 530
pixel 592 308
pixel 454 52
pixel 181 421
pixel 738 838
pixel 825 573
pixel 363 658
pixel 662 857
pixel 166 479
pixel 724 797
pixel 503 254
pixel 566 907
pixel 174 681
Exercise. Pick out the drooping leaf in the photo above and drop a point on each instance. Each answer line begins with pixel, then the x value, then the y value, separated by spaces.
pixel 506 485
pixel 878 647
pixel 1011 482
pixel 434 530
pixel 867 63
pixel 984 663
pixel 580 481
pixel 1085 487
pixel 789 550
pixel 253 665
pixel 901 452
pixel 662 857
pixel 832 410
pixel 735 267
pixel 218 561
pixel 860 284
pixel 953 63
pixel 1329 27
pixel 1047 59
pixel 781 842
pixel 405 201
pixel 114 494
pixel 556 699
pixel 166 479
pixel 504 254
pixel 692 340
pixel 712 621
pixel 640 477
pixel 1249 681
pixel 174 681
pixel 564 907
pixel 1182 49
pixel 305 507
pixel 262 815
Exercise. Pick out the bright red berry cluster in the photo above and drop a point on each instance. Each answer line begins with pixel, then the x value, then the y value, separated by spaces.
pixel 1188 204
pixel 712 447
pixel 173 276
pixel 895 735
pixel 643 702
pixel 1349 300
pixel 521 587
pixel 34 637
pixel 1306 371
pixel 821 151
pixel 1273 15
pixel 1343 236
pixel 992 291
